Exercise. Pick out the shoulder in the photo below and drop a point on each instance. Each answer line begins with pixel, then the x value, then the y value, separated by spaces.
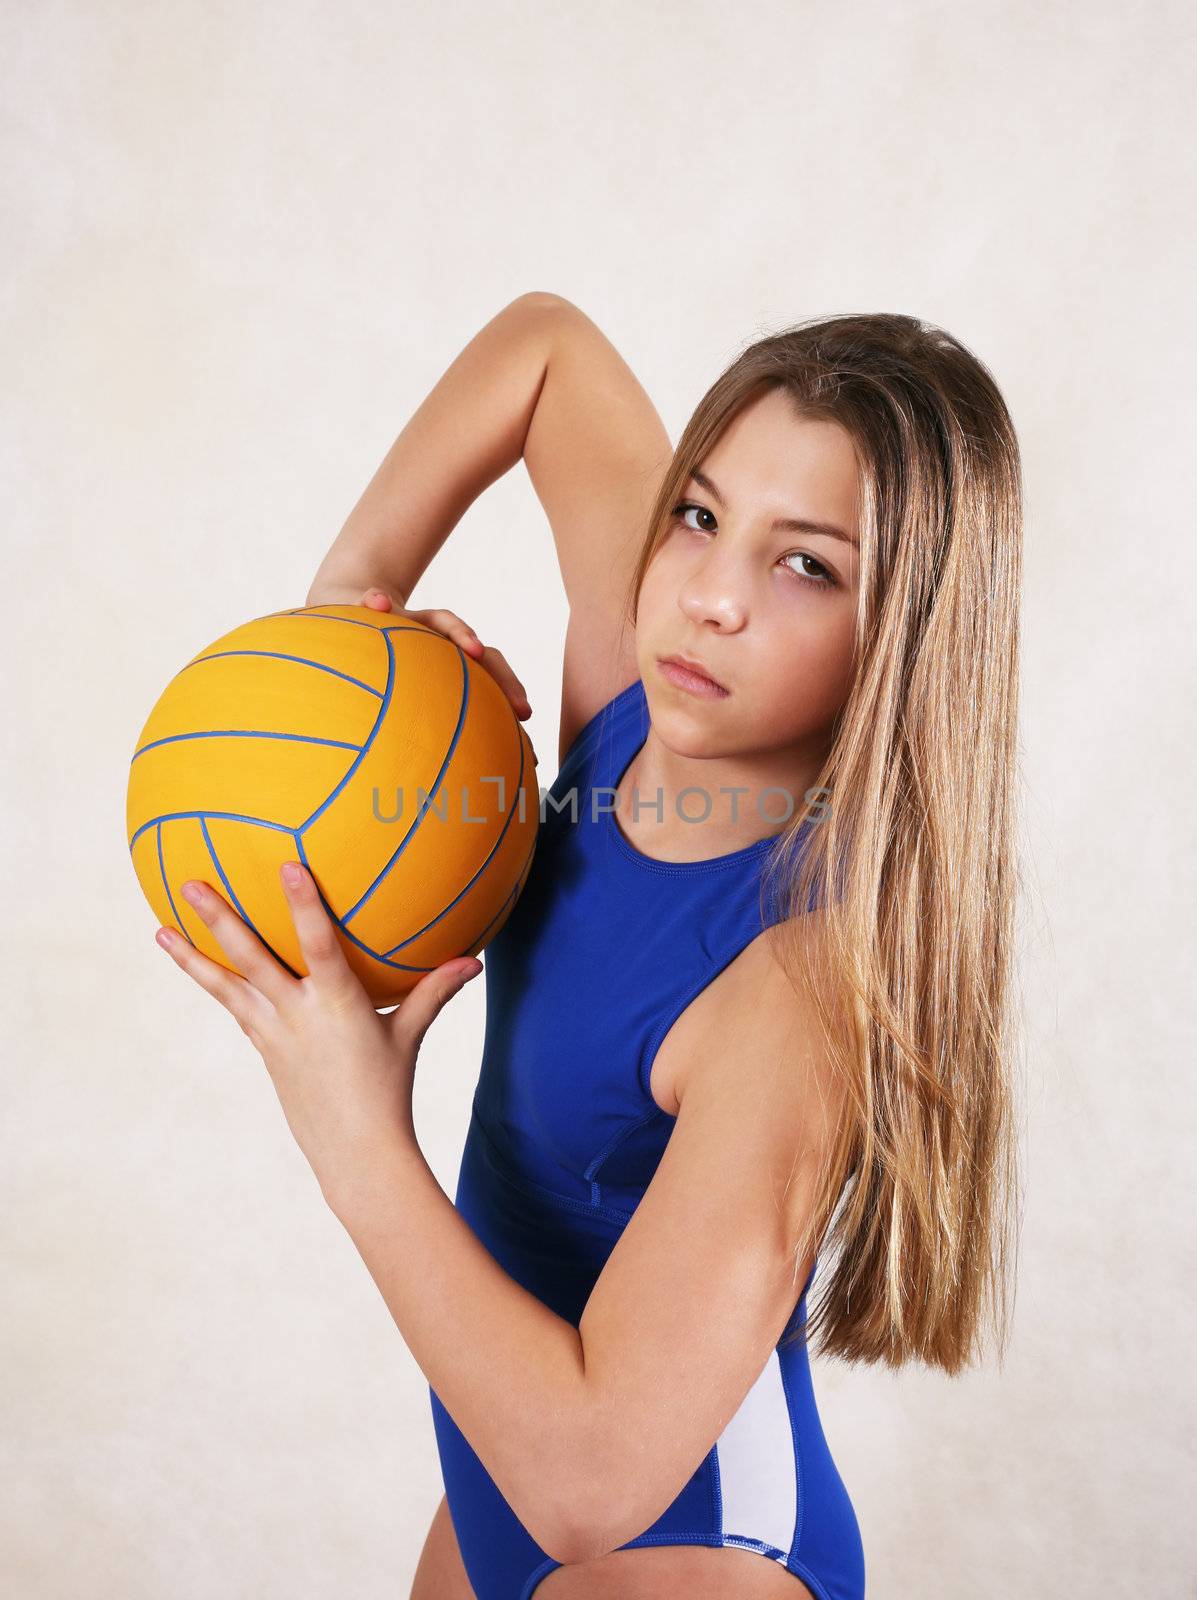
pixel 766 1034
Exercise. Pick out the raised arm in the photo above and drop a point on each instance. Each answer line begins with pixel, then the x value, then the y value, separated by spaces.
pixel 540 381
pixel 596 452
pixel 467 432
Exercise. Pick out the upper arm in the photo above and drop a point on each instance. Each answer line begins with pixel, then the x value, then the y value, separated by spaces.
pixel 703 1280
pixel 596 452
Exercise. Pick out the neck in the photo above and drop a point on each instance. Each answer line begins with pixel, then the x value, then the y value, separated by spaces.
pixel 732 801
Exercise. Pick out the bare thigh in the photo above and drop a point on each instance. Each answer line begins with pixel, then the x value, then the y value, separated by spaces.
pixel 441 1573
pixel 661 1572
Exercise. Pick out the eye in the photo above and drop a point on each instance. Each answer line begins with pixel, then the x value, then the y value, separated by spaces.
pixel 824 580
pixel 682 511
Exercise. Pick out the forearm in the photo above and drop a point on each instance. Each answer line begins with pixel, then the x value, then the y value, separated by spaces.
pixel 468 431
pixel 508 1369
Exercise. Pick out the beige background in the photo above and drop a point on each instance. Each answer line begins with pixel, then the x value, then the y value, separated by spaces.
pixel 240 243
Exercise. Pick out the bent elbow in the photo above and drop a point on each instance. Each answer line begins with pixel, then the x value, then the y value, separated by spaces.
pixel 578 1540
pixel 544 299
pixel 554 1511
pixel 589 1522
pixel 590 1501
pixel 566 1527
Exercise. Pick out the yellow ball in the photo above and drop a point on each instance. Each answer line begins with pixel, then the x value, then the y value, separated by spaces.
pixel 361 743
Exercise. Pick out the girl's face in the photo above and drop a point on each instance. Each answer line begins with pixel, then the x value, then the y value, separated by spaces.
pixel 768 610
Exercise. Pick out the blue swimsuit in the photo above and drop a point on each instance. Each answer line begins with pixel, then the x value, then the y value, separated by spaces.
pixel 603 951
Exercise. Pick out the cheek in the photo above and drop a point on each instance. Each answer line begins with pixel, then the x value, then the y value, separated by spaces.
pixel 663 579
pixel 809 670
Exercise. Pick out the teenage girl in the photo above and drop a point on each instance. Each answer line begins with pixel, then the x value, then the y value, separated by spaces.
pixel 751 1004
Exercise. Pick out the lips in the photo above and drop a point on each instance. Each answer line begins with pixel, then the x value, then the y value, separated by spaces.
pixel 693 665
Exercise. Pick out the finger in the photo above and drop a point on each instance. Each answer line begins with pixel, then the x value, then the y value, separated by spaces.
pixel 322 952
pixel 238 997
pixel 497 665
pixel 377 599
pixel 414 1015
pixel 242 946
pixel 452 626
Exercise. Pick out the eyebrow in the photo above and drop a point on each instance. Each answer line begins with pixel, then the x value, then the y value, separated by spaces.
pixel 782 524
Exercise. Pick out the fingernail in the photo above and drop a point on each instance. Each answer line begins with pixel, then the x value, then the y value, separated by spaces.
pixel 292 876
pixel 471 972
pixel 191 893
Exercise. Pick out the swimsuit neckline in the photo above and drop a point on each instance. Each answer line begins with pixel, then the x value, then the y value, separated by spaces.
pixel 745 853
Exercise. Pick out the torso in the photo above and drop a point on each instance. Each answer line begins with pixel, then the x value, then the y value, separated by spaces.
pixel 615 977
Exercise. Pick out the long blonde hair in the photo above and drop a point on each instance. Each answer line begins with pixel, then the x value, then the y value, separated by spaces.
pixel 918 1198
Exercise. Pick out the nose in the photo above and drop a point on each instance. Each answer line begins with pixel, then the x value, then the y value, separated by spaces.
pixel 714 592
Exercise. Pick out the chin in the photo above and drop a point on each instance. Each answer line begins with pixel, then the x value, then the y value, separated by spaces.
pixel 681 728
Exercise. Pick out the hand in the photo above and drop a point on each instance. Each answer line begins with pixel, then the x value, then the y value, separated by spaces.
pixel 343 1072
pixel 446 622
